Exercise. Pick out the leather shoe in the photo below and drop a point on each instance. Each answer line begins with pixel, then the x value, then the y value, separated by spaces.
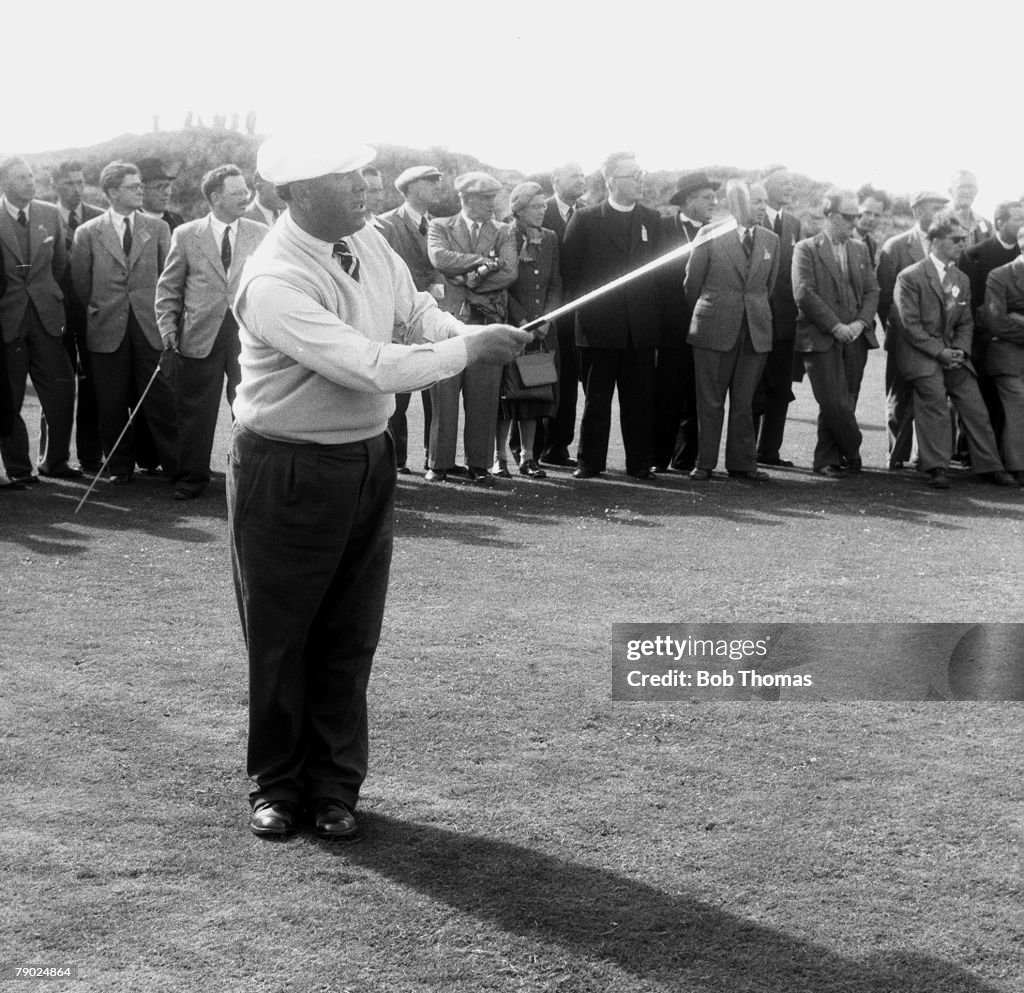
pixel 184 493
pixel 580 473
pixel 780 463
pixel 750 475
pixel 13 484
pixel 644 475
pixel 834 471
pixel 273 819
pixel 478 474
pixel 700 475
pixel 435 476
pixel 334 820
pixel 532 470
pixel 938 479
pixel 121 479
pixel 558 458
pixel 1000 478
pixel 458 470
pixel 403 470
pixel 26 480
pixel 896 467
pixel 62 472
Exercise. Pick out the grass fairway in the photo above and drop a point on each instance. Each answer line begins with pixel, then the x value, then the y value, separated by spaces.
pixel 521 831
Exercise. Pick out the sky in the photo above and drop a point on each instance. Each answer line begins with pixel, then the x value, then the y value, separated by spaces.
pixel 841 93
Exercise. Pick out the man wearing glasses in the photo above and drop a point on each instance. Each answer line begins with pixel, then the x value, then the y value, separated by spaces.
pixel 836 294
pixel 933 354
pixel 615 336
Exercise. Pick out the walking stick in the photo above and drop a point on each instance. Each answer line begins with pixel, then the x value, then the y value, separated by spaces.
pixel 128 424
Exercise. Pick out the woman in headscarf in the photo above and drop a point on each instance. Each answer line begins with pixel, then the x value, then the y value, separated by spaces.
pixel 537 291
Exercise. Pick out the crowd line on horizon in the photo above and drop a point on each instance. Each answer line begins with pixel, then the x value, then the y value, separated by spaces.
pixel 109 310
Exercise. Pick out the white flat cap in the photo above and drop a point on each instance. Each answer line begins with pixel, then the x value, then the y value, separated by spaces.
pixel 285 158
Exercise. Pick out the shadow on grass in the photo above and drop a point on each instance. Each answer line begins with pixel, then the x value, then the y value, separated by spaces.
pixel 673 939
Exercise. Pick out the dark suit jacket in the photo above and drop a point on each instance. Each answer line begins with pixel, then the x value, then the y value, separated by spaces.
pixel 929 319
pixel 74 309
pixel 817 288
pixel 900 251
pixel 676 317
pixel 405 238
pixel 783 303
pixel 593 254
pixel 722 286
pixel 1004 295
pixel 553 220
pixel 538 287
pixel 977 262
pixel 40 283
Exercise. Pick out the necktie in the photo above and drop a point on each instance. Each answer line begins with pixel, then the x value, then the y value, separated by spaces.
pixel 348 261
pixel 569 213
pixel 126 241
pixel 423 225
pixel 22 219
pixel 72 220
pixel 748 243
pixel 225 249
pixel 777 226
pixel 475 233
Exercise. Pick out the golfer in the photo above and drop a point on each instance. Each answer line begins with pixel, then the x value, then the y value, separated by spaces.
pixel 311 473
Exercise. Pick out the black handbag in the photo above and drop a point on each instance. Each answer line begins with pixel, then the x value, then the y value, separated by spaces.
pixel 530 377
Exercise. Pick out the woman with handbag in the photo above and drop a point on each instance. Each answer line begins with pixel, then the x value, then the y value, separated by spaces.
pixel 537 290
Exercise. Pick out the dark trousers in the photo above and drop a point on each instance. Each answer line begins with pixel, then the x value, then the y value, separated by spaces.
pixel 197 386
pixel 311 535
pixel 772 398
pixel 121 377
pixel 602 370
pixel 88 444
pixel 1011 395
pixel 835 377
pixel 733 374
pixel 675 409
pixel 34 354
pixel 399 425
pixel 560 430
pixel 899 408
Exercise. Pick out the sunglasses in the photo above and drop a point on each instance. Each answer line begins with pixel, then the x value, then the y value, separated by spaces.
pixel 958 239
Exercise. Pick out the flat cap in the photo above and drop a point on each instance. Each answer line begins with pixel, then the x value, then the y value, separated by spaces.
pixel 413 173
pixel 285 159
pixel 153 168
pixel 923 196
pixel 689 183
pixel 477 182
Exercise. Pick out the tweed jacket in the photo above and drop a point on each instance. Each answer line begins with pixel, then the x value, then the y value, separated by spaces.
pixel 1004 295
pixel 451 251
pixel 194 292
pixel 930 319
pixel 36 278
pixel 109 284
pixel 404 237
pixel 817 288
pixel 721 286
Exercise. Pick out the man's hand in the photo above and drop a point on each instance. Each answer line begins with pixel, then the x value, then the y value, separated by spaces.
pixel 170 342
pixel 951 358
pixel 843 333
pixel 497 344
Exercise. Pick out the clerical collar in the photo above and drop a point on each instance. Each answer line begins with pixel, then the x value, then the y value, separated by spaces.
pixel 690 221
pixel 619 207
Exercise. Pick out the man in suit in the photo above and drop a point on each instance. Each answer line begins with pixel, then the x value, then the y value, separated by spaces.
pixel 157 182
pixel 1004 357
pixel 900 251
pixel 963 190
pixel 871 205
pixel 116 261
pixel 615 336
pixel 675 388
pixel 69 181
pixel 976 264
pixel 774 392
pixel 374 198
pixel 477 257
pixel 266 205
pixel 193 312
pixel 405 228
pixel 729 281
pixel 933 351
pixel 836 294
pixel 558 432
pixel 32 323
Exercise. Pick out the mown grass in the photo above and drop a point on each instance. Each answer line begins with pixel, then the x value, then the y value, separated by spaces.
pixel 521 831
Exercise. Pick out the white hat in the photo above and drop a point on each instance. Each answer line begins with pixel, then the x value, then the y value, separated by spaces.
pixel 285 159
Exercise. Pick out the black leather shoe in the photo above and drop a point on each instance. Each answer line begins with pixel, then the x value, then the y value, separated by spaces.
pixel 13 484
pixel 581 473
pixel 26 480
pixel 478 474
pixel 644 475
pixel 938 479
pixel 334 820
pixel 700 475
pixel 558 458
pixel 121 479
pixel 834 471
pixel 62 472
pixel 184 493
pixel 780 463
pixel 750 475
pixel 1000 478
pixel 403 470
pixel 273 819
